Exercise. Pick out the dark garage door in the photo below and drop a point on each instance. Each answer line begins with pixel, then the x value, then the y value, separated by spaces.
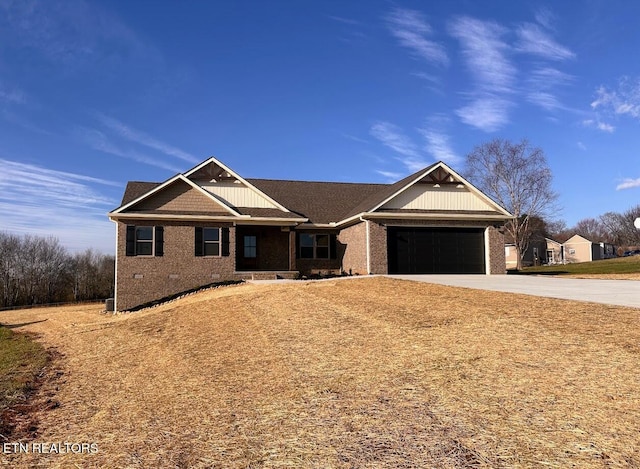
pixel 436 250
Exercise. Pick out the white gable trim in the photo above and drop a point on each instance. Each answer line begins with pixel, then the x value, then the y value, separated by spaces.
pixel 178 177
pixel 469 186
pixel 213 159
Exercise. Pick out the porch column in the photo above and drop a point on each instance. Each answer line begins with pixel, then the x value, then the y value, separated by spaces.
pixel 292 250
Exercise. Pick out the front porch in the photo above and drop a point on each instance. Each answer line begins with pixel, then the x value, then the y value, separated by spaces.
pixel 265 249
pixel 267 275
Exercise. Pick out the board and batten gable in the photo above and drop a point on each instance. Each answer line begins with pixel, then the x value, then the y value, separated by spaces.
pixel 424 196
pixel 237 194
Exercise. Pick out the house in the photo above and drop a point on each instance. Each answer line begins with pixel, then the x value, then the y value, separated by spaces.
pixel 580 249
pixel 210 224
pixel 534 255
pixel 554 252
pixel 550 252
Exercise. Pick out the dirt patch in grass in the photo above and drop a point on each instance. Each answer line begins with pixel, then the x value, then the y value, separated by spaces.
pixel 23 363
pixel 368 372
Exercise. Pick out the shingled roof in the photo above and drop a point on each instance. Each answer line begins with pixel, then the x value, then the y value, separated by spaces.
pixel 319 202
pixel 136 189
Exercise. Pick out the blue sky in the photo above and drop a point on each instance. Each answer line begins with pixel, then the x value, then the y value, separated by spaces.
pixel 96 93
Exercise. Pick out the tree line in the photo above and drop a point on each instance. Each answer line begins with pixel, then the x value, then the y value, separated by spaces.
pixel 39 270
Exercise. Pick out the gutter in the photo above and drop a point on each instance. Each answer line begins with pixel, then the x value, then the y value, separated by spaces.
pixel 367 236
pixel 243 219
pixel 436 216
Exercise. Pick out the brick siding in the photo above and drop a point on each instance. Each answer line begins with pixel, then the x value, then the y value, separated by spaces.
pixel 353 242
pixel 142 279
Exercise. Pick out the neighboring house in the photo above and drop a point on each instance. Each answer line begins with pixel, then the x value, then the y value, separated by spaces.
pixel 554 252
pixel 211 224
pixel 580 249
pixel 549 251
pixel 534 255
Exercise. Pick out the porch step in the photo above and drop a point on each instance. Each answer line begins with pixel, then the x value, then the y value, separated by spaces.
pixel 264 276
pixel 267 275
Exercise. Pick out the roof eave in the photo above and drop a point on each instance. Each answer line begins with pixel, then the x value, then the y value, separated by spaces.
pixel 242 219
pixel 437 216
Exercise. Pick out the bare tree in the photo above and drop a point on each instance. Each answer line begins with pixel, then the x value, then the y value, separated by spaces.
pixel 594 230
pixel 621 228
pixel 517 176
pixel 36 270
pixel 558 230
pixel 9 252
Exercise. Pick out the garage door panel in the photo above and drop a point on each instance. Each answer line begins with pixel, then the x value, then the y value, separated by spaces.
pixel 435 250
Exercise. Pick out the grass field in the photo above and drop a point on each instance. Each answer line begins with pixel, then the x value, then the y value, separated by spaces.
pixel 621 267
pixel 21 361
pixel 369 372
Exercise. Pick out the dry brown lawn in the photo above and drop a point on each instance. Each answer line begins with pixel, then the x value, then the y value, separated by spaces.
pixel 355 373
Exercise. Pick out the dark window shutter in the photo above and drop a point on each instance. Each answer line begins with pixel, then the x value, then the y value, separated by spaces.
pixel 198 241
pixel 131 240
pixel 159 241
pixel 333 254
pixel 225 241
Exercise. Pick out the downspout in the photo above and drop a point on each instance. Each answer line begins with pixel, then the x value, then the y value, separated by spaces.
pixel 115 277
pixel 487 252
pixel 368 245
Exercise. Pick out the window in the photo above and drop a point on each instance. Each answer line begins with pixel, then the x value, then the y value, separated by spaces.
pixel 144 240
pixel 211 241
pixel 316 246
pixel 250 247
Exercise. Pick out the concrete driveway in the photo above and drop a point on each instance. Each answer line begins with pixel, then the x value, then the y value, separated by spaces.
pixel 612 292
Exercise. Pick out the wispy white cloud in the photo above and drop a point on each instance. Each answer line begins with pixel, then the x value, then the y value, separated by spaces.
pixel 548 77
pixel 488 113
pixel 485 53
pixel 541 85
pixel 427 77
pixel 412 31
pixel 438 142
pixel 16 119
pixel 534 40
pixel 628 183
pixel 99 141
pixel 390 175
pixel 343 20
pixel 597 124
pixel 545 17
pixel 544 100
pixel 39 200
pixel 605 127
pixel 625 100
pixel 581 145
pixel 144 139
pixel 11 95
pixel 70 31
pixel 355 139
pixel 392 137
